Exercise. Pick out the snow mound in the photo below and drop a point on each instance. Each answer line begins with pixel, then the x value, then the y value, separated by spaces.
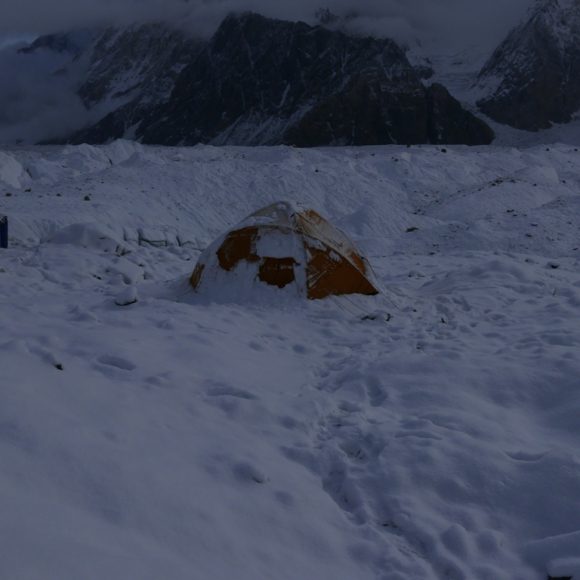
pixel 560 555
pixel 89 235
pixel 12 173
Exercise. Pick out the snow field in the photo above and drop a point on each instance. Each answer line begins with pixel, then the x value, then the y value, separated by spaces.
pixel 175 438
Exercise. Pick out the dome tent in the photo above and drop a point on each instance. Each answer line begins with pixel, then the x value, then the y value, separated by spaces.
pixel 282 246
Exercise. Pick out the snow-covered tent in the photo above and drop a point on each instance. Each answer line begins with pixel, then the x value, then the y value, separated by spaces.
pixel 282 246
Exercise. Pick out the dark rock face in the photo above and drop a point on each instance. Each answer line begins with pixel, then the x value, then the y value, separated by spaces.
pixel 262 81
pixel 259 81
pixel 450 123
pixel 535 73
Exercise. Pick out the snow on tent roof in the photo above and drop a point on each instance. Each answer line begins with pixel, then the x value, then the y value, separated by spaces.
pixel 283 247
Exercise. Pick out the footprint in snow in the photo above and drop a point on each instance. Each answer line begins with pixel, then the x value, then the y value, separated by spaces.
pixel 231 400
pixel 162 381
pixel 417 428
pixel 224 390
pixel 17 435
pixel 343 490
pixel 166 324
pixel 300 349
pixel 47 356
pixel 525 456
pixel 362 448
pixel 417 435
pixel 456 540
pixel 78 314
pixel 246 472
pixel 375 391
pixel 289 422
pixel 255 345
pixel 284 498
pixel 116 362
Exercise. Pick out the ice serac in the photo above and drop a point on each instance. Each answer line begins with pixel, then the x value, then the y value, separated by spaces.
pixel 533 78
pixel 260 81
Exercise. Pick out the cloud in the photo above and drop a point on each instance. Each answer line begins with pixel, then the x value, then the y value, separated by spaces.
pixel 37 102
pixel 400 18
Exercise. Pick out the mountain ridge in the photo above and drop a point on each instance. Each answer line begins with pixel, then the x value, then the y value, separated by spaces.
pixel 533 77
pixel 260 81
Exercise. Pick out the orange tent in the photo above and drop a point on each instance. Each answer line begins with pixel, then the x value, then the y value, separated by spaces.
pixel 285 246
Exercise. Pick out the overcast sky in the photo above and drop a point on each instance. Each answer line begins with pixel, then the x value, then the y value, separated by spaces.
pixel 399 18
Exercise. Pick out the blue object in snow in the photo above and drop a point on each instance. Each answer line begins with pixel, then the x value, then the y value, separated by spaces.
pixel 3 231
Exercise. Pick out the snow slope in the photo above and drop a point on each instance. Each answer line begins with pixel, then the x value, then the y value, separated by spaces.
pixel 435 437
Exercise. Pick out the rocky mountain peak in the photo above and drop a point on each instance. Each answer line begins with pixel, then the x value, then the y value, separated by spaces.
pixel 533 78
pixel 264 81
pixel 261 81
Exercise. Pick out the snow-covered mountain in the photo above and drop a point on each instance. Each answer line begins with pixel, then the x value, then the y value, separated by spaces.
pixel 139 63
pixel 260 81
pixel 112 67
pixel 533 78
pixel 264 81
